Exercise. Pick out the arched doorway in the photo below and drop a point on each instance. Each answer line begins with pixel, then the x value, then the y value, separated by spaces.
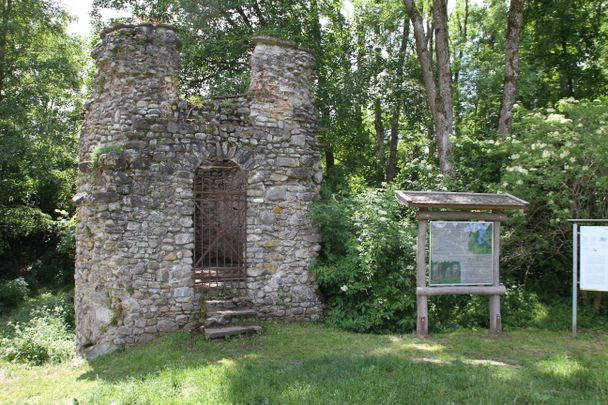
pixel 220 227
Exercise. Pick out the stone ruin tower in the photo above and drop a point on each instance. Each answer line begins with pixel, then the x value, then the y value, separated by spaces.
pixel 181 207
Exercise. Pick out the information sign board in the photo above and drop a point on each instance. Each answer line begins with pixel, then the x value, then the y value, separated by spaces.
pixel 594 258
pixel 461 253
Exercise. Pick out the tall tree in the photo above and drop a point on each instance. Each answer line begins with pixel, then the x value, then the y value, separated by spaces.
pixel 562 49
pixel 460 43
pixel 514 27
pixel 40 87
pixel 379 128
pixel 391 170
pixel 439 94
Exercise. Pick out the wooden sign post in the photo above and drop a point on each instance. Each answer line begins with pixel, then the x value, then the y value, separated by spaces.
pixel 467 258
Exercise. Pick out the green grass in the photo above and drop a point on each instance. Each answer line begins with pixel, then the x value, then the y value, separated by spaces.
pixel 313 364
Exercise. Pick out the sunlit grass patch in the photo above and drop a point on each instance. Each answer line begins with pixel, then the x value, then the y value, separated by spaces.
pixel 314 364
pixel 560 365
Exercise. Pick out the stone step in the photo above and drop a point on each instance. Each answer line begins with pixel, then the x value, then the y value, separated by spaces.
pixel 220 305
pixel 215 305
pixel 237 313
pixel 224 317
pixel 228 331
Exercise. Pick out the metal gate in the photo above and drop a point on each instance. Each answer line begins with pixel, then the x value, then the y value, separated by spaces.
pixel 220 220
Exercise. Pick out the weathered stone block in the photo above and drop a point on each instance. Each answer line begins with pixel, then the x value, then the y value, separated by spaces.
pixel 299 173
pixel 298 140
pixel 287 162
pixel 276 193
pixel 181 292
pixel 141 124
pixel 184 238
pixel 105 197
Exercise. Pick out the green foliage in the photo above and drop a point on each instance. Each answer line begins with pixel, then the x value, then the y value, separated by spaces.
pixel 12 293
pixel 37 247
pixel 44 339
pixel 479 162
pixel 227 103
pixel 65 227
pixel 558 161
pixel 556 314
pixel 40 90
pixel 103 149
pixel 563 45
pixel 43 302
pixel 520 309
pixel 366 270
pixel 40 332
pixel 479 63
pixel 20 223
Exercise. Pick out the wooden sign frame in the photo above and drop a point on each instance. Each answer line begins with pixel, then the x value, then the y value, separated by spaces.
pixel 466 206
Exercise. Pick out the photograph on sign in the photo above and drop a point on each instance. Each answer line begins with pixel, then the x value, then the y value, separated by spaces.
pixel 594 258
pixel 461 253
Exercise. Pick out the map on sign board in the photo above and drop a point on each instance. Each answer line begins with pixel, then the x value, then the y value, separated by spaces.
pixel 594 258
pixel 461 253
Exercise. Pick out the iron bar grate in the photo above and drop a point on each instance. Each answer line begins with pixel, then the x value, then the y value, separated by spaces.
pixel 220 220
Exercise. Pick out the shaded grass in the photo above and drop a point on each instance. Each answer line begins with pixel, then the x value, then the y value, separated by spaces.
pixel 313 364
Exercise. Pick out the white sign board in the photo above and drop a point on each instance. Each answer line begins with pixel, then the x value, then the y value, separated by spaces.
pixel 594 258
pixel 461 253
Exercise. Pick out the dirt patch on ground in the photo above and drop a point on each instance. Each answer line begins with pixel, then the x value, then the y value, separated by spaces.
pixel 4 376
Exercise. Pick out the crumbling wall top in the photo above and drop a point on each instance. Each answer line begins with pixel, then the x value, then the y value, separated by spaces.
pixel 143 26
pixel 267 40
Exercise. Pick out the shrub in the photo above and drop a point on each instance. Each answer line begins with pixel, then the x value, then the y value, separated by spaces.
pixel 520 308
pixel 558 161
pixel 12 293
pixel 45 337
pixel 101 149
pixel 366 269
pixel 37 247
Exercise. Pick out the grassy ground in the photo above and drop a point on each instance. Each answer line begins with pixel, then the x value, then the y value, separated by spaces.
pixel 313 364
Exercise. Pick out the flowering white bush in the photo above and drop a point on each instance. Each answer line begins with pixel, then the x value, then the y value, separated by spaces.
pixel 558 161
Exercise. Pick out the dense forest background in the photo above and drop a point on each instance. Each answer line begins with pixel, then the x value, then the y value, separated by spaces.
pixel 489 96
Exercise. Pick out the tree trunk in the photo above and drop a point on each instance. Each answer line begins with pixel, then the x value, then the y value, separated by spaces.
pixel 463 33
pixel 6 12
pixel 423 54
pixel 514 26
pixel 458 63
pixel 430 31
pixel 567 88
pixel 379 127
pixel 444 126
pixel 322 82
pixel 440 100
pixel 330 160
pixel 244 17
pixel 391 170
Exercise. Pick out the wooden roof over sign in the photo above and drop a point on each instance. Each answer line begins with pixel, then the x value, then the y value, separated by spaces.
pixel 461 201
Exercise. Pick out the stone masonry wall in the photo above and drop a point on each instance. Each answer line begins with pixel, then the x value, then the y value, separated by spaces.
pixel 135 236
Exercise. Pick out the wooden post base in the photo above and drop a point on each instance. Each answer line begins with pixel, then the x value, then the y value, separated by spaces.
pixel 495 321
pixel 422 321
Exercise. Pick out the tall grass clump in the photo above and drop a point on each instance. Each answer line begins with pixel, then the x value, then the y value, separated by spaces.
pixel 40 332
